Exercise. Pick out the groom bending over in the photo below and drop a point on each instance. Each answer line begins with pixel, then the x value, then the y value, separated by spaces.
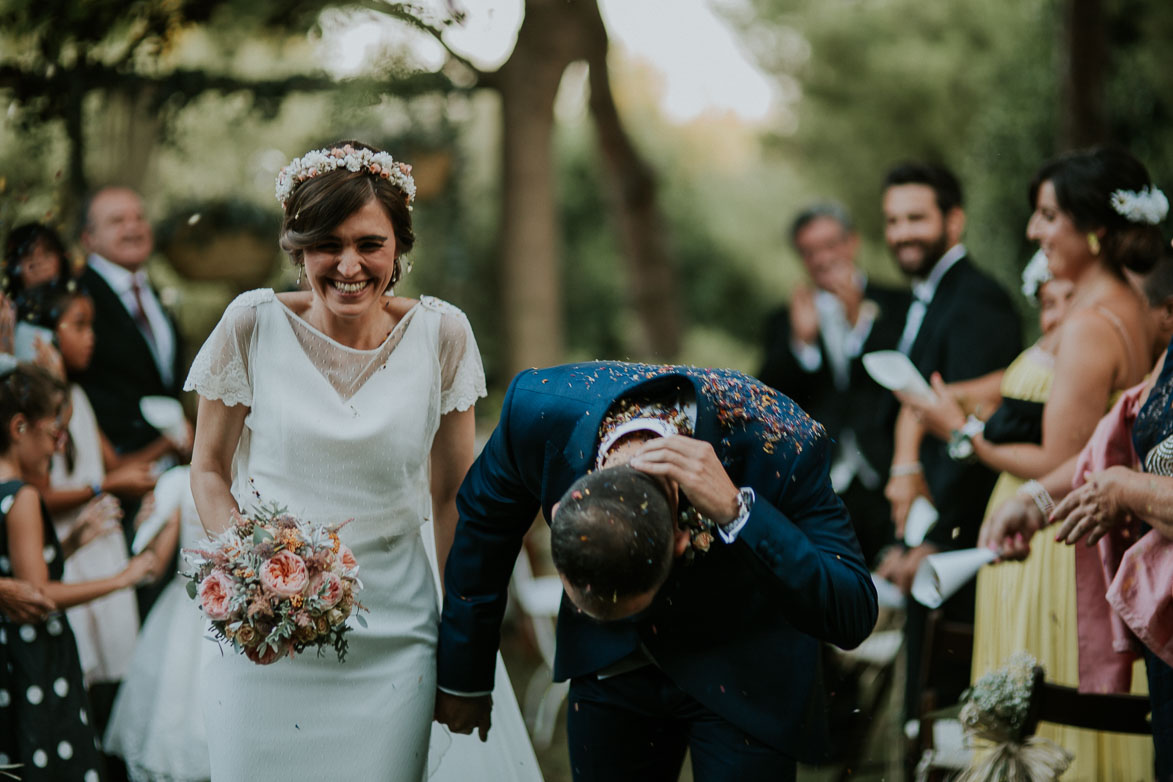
pixel 698 578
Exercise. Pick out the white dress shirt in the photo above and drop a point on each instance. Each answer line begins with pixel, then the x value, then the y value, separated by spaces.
pixel 923 292
pixel 121 281
pixel 843 341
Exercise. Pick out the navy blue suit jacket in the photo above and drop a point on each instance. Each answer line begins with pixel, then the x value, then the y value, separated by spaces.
pixel 736 628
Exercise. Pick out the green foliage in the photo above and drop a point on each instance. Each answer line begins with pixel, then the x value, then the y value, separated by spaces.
pixel 973 85
pixel 594 275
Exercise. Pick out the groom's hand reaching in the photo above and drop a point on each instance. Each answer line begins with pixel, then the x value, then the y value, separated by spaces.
pixel 462 714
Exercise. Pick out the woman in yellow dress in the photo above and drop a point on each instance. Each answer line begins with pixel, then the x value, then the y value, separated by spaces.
pixel 1099 348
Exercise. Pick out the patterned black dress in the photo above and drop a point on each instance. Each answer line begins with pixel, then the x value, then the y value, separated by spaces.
pixel 44 714
pixel 1152 437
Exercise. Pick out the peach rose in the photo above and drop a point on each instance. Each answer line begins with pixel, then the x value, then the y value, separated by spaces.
pixel 215 594
pixel 346 558
pixel 285 573
pixel 328 587
pixel 246 636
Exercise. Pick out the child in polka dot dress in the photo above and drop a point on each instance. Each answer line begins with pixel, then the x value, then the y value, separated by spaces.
pixel 44 716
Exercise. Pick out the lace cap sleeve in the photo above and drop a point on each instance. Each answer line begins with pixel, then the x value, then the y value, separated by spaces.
pixel 462 376
pixel 220 370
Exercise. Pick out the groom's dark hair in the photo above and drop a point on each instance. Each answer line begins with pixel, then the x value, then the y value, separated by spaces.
pixel 611 537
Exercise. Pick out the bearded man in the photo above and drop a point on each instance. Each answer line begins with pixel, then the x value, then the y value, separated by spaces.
pixel 962 324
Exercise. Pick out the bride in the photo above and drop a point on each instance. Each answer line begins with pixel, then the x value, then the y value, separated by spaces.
pixel 345 402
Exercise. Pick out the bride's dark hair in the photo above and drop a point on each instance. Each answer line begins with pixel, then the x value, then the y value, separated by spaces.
pixel 319 205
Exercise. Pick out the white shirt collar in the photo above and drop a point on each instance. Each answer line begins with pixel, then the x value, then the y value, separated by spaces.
pixel 925 289
pixel 118 278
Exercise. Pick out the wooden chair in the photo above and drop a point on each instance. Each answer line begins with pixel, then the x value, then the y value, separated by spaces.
pixel 1068 706
pixel 539 598
pixel 936 752
pixel 1061 705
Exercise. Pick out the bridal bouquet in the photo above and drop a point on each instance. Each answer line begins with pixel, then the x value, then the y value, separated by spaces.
pixel 273 584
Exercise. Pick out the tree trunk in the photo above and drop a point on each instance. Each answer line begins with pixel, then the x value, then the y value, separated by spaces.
pixel 76 183
pixel 129 127
pixel 530 255
pixel 632 185
pixel 1086 54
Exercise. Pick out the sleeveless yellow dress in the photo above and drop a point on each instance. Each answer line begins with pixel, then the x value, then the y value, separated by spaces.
pixel 1031 606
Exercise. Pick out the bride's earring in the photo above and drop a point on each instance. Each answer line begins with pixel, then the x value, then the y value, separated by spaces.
pixel 1093 243
pixel 300 269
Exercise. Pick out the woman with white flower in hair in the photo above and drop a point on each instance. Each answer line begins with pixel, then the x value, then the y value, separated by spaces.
pixel 345 402
pixel 1096 213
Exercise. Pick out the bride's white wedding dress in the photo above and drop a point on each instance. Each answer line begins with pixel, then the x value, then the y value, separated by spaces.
pixel 335 433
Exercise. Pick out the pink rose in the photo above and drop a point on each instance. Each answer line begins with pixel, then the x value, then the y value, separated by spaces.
pixel 285 573
pixel 328 587
pixel 346 558
pixel 215 593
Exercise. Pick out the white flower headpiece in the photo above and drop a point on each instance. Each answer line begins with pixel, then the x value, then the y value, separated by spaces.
pixel 1148 206
pixel 321 161
pixel 1036 274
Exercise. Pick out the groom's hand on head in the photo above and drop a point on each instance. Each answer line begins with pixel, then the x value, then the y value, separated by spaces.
pixel 464 714
pixel 692 465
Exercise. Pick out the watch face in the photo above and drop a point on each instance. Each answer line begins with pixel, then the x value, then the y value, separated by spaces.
pixel 960 447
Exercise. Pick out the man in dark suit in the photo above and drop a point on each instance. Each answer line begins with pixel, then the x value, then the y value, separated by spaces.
pixel 136 350
pixel 963 325
pixel 813 351
pixel 719 652
pixel 136 345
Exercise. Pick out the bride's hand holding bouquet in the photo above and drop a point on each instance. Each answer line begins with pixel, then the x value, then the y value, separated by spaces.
pixel 272 585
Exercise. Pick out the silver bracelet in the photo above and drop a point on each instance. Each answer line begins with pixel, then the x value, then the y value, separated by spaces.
pixel 909 468
pixel 1042 498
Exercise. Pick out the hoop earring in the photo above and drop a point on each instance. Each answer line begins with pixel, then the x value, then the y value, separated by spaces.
pixel 1093 243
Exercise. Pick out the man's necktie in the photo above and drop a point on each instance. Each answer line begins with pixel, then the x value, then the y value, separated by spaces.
pixel 140 314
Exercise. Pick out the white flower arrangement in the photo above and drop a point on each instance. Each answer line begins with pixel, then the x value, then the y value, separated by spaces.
pixel 1001 698
pixel 1036 274
pixel 321 161
pixel 995 714
pixel 1147 206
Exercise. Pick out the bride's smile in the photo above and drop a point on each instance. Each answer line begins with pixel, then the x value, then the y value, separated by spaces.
pixel 350 269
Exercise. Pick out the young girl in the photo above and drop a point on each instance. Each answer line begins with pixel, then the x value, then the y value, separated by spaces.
pixel 86 469
pixel 44 714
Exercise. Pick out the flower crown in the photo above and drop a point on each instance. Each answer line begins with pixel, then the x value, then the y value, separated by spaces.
pixel 1149 205
pixel 322 161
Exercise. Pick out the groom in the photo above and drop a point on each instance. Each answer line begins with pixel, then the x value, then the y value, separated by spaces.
pixel 697 584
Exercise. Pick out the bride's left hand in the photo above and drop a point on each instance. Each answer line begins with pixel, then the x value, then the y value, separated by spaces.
pixel 940 416
pixel 464 714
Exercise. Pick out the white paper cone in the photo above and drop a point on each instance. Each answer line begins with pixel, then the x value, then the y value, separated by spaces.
pixel 888 595
pixel 941 575
pixel 921 518
pixel 166 415
pixel 171 491
pixel 893 370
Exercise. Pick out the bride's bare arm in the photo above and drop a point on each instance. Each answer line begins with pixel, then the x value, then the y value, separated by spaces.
pixel 218 429
pixel 453 451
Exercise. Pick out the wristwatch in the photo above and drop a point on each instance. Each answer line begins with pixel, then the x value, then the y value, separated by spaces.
pixel 960 447
pixel 745 501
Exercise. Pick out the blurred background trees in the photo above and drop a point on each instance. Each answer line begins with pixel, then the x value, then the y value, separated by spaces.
pixel 560 205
